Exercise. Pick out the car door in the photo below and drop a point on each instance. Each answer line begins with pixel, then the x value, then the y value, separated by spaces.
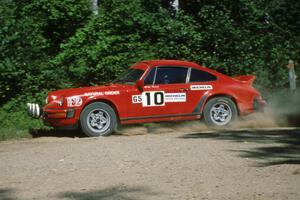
pixel 164 93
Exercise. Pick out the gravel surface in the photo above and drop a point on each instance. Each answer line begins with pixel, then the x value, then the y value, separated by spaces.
pixel 164 164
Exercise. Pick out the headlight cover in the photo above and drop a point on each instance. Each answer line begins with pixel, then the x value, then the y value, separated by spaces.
pixel 60 101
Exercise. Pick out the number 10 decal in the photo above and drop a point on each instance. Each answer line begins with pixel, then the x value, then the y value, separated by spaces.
pixel 153 98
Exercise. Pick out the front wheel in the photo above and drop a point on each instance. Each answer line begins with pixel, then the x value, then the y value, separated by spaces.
pixel 220 112
pixel 98 119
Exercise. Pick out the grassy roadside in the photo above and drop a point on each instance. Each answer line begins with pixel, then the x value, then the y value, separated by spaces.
pixel 14 121
pixel 13 133
pixel 17 125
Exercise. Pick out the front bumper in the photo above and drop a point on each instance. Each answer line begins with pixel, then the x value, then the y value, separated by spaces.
pixel 58 113
pixel 53 117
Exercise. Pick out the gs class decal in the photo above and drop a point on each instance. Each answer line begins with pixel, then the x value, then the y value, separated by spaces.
pixel 158 98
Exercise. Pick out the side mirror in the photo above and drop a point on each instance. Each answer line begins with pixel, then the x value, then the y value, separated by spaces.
pixel 140 84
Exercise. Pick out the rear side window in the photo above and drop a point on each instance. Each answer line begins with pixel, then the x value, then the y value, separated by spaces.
pixel 201 76
pixel 170 75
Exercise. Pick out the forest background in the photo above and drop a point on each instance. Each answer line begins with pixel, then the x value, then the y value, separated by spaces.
pixel 52 44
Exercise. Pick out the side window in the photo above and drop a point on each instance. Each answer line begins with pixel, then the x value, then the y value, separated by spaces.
pixel 169 75
pixel 150 77
pixel 201 76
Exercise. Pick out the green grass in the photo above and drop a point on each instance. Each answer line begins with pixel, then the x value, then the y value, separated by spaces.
pixel 15 125
pixel 7 133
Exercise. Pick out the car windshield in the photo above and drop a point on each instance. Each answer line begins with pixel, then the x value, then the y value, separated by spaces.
pixel 130 77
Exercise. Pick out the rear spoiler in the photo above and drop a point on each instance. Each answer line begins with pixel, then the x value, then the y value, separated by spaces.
pixel 248 79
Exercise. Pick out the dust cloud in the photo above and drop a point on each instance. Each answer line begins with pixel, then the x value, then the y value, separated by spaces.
pixel 163 128
pixel 284 108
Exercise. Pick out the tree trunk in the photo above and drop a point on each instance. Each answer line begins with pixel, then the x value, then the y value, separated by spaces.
pixel 95 7
pixel 176 5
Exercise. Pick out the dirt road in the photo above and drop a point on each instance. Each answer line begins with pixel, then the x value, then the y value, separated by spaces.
pixel 165 164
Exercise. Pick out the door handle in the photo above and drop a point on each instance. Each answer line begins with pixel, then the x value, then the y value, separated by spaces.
pixel 183 89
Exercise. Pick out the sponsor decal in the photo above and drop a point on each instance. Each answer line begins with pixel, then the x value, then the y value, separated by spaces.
pixel 74 101
pixel 102 93
pixel 112 93
pixel 151 86
pixel 201 87
pixel 93 94
pixel 158 98
pixel 175 97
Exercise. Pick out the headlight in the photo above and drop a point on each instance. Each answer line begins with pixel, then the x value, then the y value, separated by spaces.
pixel 60 101
pixel 55 99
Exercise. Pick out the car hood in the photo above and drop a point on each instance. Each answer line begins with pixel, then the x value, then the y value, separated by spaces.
pixel 87 91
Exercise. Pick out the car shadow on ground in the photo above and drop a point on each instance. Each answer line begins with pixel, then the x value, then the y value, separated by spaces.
pixel 117 192
pixel 7 194
pixel 77 133
pixel 37 133
pixel 277 146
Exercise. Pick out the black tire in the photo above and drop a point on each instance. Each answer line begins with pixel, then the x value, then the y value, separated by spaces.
pixel 220 112
pixel 98 119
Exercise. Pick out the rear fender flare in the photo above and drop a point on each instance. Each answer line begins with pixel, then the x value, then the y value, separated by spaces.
pixel 207 96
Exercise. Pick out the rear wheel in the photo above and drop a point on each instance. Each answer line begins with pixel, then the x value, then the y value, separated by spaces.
pixel 98 119
pixel 220 112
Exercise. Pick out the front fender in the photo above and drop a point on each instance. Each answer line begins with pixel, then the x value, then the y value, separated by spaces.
pixel 104 99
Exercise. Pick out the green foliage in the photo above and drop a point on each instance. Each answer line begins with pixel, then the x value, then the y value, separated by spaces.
pixel 122 35
pixel 30 33
pixel 22 44
pixel 47 45
pixel 249 37
pixel 58 19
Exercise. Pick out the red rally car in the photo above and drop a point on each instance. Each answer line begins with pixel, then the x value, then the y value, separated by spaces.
pixel 152 91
